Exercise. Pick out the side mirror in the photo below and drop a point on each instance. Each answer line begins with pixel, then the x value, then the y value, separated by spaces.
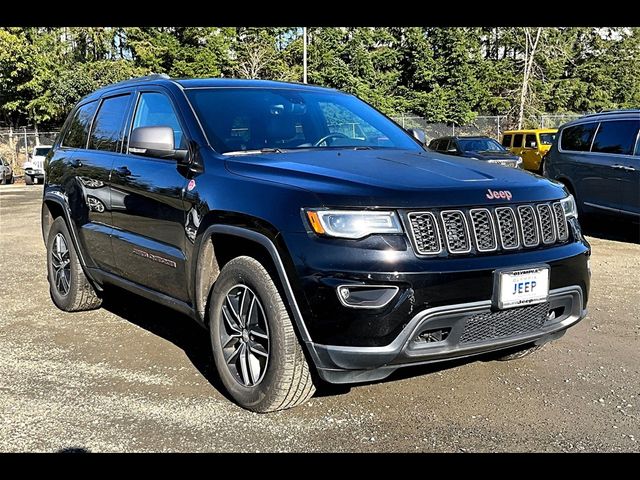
pixel 155 142
pixel 418 134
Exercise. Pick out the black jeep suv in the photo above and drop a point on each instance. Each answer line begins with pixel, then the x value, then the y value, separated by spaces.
pixel 311 235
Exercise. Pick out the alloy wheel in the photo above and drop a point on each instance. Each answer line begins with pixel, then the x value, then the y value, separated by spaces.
pixel 244 335
pixel 61 263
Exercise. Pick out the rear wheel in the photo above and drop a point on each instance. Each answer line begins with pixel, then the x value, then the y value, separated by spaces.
pixel 69 287
pixel 255 347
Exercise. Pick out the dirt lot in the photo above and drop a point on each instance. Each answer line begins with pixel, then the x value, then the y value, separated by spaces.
pixel 137 377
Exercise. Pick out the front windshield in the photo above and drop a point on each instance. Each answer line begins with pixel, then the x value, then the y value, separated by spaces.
pixel 249 119
pixel 480 145
pixel 42 151
pixel 547 138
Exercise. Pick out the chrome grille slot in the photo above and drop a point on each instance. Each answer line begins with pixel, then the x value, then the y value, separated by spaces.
pixel 529 226
pixel 484 230
pixel 561 222
pixel 424 230
pixel 547 224
pixel 456 231
pixel 508 228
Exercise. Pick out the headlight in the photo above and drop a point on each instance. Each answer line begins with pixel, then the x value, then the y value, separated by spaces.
pixel 519 162
pixel 353 224
pixel 569 206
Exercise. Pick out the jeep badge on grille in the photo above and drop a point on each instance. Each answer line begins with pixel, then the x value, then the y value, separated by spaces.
pixel 495 194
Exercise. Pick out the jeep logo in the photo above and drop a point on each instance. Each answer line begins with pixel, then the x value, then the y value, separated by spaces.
pixel 495 194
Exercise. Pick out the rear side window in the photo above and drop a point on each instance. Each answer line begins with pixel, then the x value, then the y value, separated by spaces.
pixel 517 140
pixel 106 133
pixel 530 141
pixel 616 137
pixel 578 138
pixel 78 132
pixel 506 141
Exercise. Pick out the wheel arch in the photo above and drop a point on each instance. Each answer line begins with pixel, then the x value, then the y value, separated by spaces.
pixel 231 240
pixel 53 206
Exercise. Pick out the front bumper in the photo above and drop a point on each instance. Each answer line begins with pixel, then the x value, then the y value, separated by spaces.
pixel 35 173
pixel 498 330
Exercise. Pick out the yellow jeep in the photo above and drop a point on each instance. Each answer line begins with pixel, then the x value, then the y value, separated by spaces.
pixel 531 145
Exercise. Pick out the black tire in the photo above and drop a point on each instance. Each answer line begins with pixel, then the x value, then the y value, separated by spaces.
pixel 11 179
pixel 80 294
pixel 3 180
pixel 285 379
pixel 518 353
pixel 28 179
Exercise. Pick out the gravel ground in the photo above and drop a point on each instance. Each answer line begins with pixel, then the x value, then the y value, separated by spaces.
pixel 137 377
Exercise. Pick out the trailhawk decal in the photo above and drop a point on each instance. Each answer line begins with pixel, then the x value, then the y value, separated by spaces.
pixel 495 194
pixel 155 258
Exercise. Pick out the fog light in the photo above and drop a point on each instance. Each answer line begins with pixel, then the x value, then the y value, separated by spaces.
pixel 366 296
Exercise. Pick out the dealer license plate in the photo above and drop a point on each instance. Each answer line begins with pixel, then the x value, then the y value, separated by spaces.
pixel 516 288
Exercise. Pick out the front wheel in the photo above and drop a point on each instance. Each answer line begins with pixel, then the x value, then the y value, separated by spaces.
pixel 11 180
pixel 255 348
pixel 28 179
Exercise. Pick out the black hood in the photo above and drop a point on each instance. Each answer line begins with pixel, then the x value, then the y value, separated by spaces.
pixel 394 178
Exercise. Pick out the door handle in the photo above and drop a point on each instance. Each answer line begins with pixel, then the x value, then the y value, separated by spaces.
pixel 123 171
pixel 625 168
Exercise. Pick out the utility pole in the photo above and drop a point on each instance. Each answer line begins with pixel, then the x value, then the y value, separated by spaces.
pixel 304 54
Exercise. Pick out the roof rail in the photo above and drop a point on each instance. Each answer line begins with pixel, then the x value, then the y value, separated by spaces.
pixel 613 110
pixel 154 76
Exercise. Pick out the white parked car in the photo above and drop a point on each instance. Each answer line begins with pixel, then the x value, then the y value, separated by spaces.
pixel 6 172
pixel 34 166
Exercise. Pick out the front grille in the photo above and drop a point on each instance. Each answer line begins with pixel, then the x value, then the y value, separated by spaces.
pixel 482 230
pixel 547 224
pixel 456 233
pixel 505 323
pixel 529 226
pixel 508 228
pixel 561 222
pixel 424 229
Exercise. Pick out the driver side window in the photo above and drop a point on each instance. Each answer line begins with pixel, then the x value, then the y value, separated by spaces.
pixel 155 110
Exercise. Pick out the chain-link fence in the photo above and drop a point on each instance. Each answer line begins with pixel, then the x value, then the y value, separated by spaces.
pixel 16 145
pixel 492 126
pixel 554 120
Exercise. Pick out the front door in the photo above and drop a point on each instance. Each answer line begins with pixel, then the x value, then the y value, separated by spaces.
pixel 518 144
pixel 148 209
pixel 530 153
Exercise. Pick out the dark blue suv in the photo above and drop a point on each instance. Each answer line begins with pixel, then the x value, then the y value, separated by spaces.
pixel 597 157
pixel 312 237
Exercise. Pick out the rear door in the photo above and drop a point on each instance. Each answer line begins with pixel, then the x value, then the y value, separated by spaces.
pixel 616 140
pixel 149 215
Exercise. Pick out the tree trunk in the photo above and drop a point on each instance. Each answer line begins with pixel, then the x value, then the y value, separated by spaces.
pixel 529 55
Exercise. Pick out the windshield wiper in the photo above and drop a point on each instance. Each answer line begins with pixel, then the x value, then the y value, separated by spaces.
pixel 253 152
